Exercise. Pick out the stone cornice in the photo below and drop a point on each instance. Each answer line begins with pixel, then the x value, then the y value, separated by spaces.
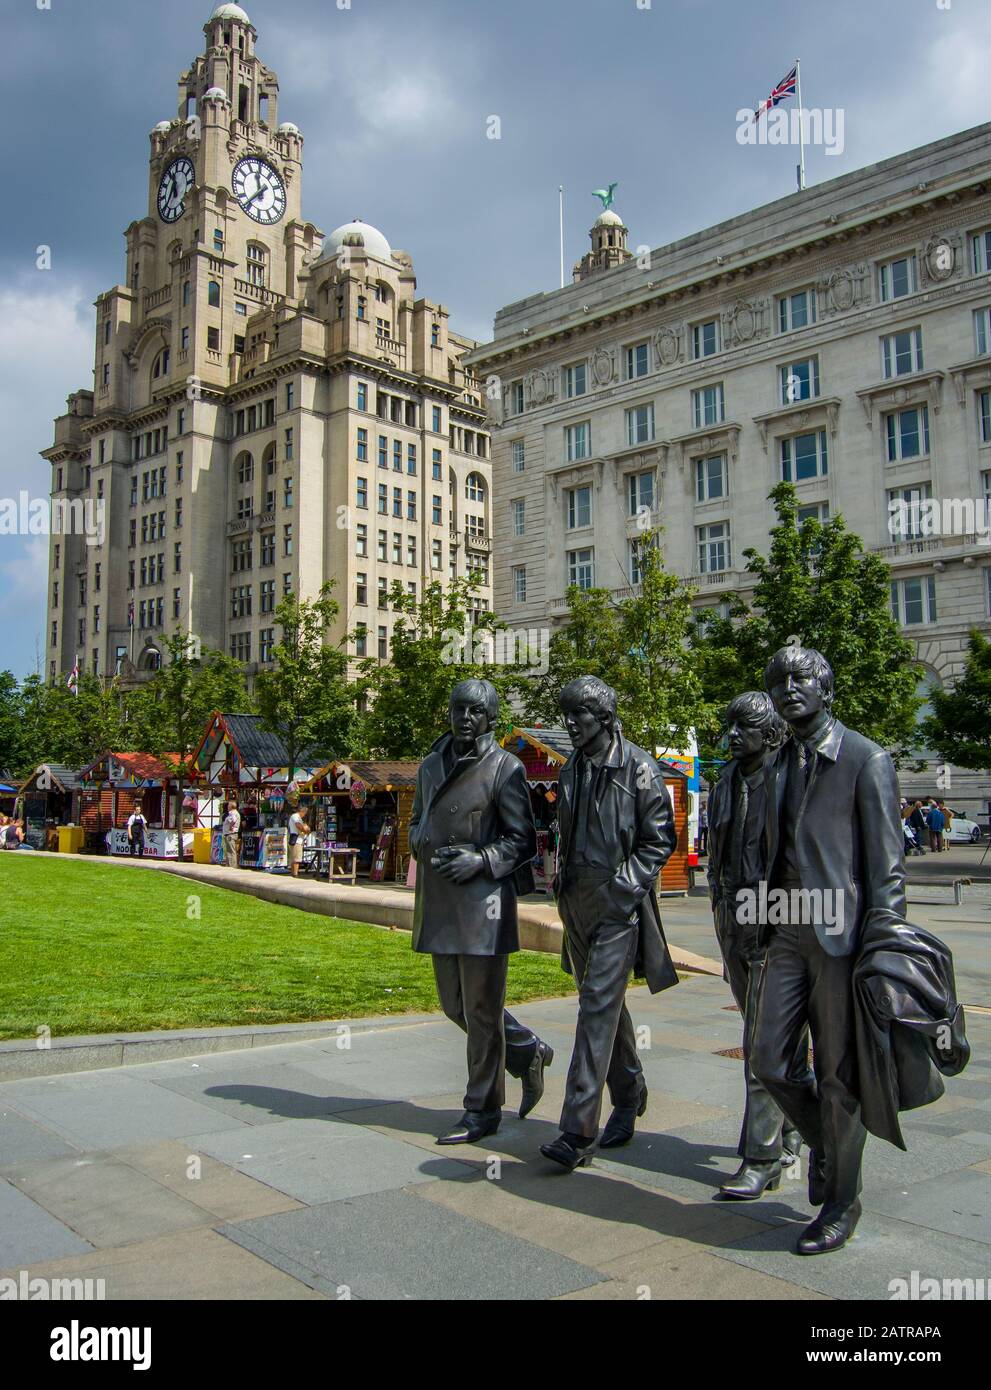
pixel 708 440
pixel 976 372
pixel 799 414
pixel 913 388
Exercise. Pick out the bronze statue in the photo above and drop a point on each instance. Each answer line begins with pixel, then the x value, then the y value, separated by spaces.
pixel 473 837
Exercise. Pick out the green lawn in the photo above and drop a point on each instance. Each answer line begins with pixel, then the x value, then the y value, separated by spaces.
pixel 89 948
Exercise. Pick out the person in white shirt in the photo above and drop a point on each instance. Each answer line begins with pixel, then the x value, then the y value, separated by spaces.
pixel 298 831
pixel 136 833
pixel 231 829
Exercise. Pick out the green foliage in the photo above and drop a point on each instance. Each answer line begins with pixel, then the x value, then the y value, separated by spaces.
pixel 638 645
pixel 959 728
pixel 305 698
pixel 47 723
pixel 436 642
pixel 817 583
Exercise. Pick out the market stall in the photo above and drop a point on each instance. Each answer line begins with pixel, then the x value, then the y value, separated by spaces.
pixel 359 812
pixel 237 760
pixel 543 752
pixel 48 798
pixel 117 785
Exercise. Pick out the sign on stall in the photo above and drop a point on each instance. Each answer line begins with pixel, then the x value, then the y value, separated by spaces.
pixel 159 844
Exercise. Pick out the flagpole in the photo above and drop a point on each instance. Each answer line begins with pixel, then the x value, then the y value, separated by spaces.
pixel 801 125
pixel 560 197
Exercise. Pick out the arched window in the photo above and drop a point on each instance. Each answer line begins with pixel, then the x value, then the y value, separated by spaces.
pixel 475 487
pixel 244 468
pixel 213 294
pixel 160 366
pixel 151 659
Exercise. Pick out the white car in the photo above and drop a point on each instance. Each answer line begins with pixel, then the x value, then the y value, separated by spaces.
pixel 963 830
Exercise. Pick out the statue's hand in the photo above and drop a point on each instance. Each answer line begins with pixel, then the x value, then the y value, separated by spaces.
pixel 461 866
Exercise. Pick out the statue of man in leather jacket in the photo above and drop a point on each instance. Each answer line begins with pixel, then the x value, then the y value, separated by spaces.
pixel 616 833
pixel 473 837
pixel 737 813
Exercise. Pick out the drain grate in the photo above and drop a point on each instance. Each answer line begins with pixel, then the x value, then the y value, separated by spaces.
pixel 730 1008
pixel 735 1052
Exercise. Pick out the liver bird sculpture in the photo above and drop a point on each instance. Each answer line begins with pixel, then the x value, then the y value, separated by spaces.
pixel 606 195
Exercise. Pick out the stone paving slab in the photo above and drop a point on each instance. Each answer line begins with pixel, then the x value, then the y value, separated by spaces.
pixel 272 1094
pixel 106 1202
pixel 319 1161
pixel 882 1249
pixel 22 1139
pixel 375 1246
pixel 29 1233
pixel 189 1265
pixel 683 1273
pixel 958 1203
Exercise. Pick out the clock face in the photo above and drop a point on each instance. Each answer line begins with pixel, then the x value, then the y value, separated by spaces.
pixel 176 183
pixel 259 190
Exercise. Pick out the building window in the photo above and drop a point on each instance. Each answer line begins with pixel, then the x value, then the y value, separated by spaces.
pixel 289 445
pixel 914 600
pixel 519 583
pixel 641 492
pixel 361 540
pixel 435 335
pixel 705 339
pixel 287 539
pixel 383 592
pixel 518 510
pixel 360 640
pixel 637 361
pixel 397 456
pixel 411 550
pixel 383 499
pixel 796 310
pixel 245 469
pixel 579 507
pixel 799 380
pixel 257 258
pixel 575 380
pixel 177 558
pixel 286 583
pixel 362 493
pixel 897 278
pixel 266 644
pixel 241 601
pixel 902 352
pixel 804 456
pixel 475 487
pixel 290 394
pixel 383 643
pixel 578 441
pixel 176 602
pixel 362 445
pixel 711 481
pixel 814 511
pixel 640 424
pixel 241 646
pixel 581 568
pixel 982 331
pixel 980 248
pixel 397 501
pixel 636 551
pixel 984 416
pixel 411 459
pixel 362 395
pixel 361 588
pixel 134 489
pixel 268 548
pixel 907 433
pixel 178 468
pixel 708 406
pixel 516 398
pixel 178 512
pixel 213 294
pixel 213 339
pixel 382 545
pixel 287 493
pixel 906 520
pixel 714 547
pixel 436 417
pixel 410 505
pixel 397 548
pixel 383 451
pixel 362 305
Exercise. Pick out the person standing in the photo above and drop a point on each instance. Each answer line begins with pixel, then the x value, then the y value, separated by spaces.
pixel 617 833
pixel 833 838
pixel 136 833
pixel 472 834
pixel 231 829
pixel 703 840
pixel 738 812
pixel 936 822
pixel 917 820
pixel 298 831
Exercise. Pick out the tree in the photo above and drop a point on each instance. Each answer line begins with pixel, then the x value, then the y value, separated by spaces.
pixel 437 641
pixel 639 645
pixel 58 726
pixel 819 585
pixel 959 728
pixel 305 698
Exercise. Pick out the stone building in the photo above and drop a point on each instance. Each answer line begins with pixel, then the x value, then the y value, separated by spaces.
pixel 839 338
pixel 271 410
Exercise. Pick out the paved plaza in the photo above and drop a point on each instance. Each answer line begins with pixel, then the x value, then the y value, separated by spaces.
pixel 308 1169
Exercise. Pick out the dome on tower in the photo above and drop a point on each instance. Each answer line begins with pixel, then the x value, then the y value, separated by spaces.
pixel 360 236
pixel 214 94
pixel 230 12
pixel 162 127
pixel 287 128
pixel 609 219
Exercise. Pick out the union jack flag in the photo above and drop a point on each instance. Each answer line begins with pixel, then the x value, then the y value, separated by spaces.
pixel 785 88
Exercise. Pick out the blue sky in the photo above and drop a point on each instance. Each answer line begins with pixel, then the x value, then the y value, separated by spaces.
pixel 393 98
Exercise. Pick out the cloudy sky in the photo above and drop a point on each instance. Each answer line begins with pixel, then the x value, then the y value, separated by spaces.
pixel 394 99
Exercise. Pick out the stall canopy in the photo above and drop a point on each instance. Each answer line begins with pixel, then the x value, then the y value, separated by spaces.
pixel 114 785
pixel 543 752
pixel 370 794
pixel 49 796
pixel 236 752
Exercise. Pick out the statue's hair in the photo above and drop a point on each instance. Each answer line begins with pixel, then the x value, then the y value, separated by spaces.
pixel 480 692
pixel 805 661
pixel 594 694
pixel 756 707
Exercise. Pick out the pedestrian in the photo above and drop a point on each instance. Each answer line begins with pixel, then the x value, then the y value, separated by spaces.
pixel 917 821
pixel 298 831
pixel 231 829
pixel 13 835
pixel 936 822
pixel 136 826
pixel 948 815
pixel 703 839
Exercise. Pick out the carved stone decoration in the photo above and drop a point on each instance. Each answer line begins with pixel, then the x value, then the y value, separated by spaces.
pixel 746 321
pixel 536 387
pixel 668 344
pixel 941 257
pixel 603 366
pixel 844 289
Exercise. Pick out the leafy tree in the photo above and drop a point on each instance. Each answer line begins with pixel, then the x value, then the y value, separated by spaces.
pixel 11 736
pixel 305 698
pixel 437 641
pixel 57 726
pixel 638 644
pixel 959 728
pixel 817 583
